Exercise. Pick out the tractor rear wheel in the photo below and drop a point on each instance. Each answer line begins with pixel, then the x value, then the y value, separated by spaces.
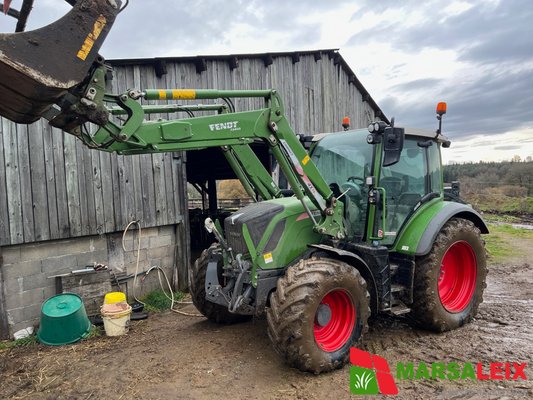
pixel 318 311
pixel 214 312
pixel 449 281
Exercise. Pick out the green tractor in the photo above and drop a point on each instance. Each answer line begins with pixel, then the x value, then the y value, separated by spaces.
pixel 365 228
pixel 406 249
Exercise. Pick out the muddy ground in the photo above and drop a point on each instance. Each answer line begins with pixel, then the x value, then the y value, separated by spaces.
pixel 171 356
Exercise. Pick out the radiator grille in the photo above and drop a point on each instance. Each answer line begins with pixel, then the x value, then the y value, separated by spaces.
pixel 256 216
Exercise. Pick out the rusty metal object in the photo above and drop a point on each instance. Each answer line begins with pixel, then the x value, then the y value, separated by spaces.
pixel 38 67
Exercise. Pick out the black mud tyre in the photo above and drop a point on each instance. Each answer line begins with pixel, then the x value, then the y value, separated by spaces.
pixel 450 280
pixel 318 312
pixel 214 312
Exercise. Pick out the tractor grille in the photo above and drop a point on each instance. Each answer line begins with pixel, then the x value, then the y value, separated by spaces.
pixel 256 216
pixel 235 238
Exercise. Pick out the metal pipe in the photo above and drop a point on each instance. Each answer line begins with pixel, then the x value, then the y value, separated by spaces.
pixel 171 108
pixel 193 94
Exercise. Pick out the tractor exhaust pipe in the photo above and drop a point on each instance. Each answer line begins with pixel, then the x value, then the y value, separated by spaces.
pixel 39 67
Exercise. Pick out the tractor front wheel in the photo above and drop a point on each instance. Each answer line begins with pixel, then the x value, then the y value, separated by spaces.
pixel 449 281
pixel 319 310
pixel 214 312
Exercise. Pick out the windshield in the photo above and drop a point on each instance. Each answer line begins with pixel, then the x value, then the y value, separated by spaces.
pixel 344 160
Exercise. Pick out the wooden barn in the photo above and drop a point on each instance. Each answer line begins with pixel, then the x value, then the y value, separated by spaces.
pixel 64 207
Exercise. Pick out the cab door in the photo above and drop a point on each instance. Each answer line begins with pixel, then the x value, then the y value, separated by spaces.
pixel 415 178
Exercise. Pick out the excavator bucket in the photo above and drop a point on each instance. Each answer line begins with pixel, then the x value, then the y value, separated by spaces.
pixel 38 67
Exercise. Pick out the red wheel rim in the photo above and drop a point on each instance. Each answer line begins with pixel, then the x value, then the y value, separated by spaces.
pixel 457 279
pixel 334 321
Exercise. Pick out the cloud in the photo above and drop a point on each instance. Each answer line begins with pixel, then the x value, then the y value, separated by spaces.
pixel 508 147
pixel 488 43
pixel 417 84
pixel 483 31
pixel 174 28
pixel 491 103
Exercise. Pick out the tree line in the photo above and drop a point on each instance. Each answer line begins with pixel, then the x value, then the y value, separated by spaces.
pixel 493 175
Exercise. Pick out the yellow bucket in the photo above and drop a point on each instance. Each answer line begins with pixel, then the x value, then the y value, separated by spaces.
pixel 114 297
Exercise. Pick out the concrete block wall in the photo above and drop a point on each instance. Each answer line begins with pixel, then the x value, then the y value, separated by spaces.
pixel 27 268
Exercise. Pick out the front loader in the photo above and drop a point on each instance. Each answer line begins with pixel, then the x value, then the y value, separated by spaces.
pixel 364 229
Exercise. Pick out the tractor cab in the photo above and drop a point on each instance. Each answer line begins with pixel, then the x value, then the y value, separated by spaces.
pixel 354 168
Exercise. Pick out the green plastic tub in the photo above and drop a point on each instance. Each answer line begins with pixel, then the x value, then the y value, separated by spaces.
pixel 63 320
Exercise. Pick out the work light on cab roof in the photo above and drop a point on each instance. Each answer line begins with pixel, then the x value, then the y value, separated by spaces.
pixel 441 110
pixel 346 123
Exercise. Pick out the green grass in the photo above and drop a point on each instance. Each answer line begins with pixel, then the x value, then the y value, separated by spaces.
pixel 505 218
pixel 497 202
pixel 25 342
pixel 95 332
pixel 511 231
pixel 156 301
pixel 500 242
pixel 32 339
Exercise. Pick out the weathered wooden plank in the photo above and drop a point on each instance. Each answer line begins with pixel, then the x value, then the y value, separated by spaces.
pixel 122 185
pixel 117 198
pixel 158 169
pixel 41 208
pixel 107 172
pixel 53 213
pixel 88 176
pixel 127 190
pixel 170 191
pixel 179 191
pixel 4 207
pixel 25 183
pixel 137 189
pixel 14 200
pixel 96 173
pixel 72 185
pixel 60 184
pixel 148 191
pixel 82 187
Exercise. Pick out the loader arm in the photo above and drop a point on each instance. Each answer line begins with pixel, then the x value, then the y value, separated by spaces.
pixel 233 132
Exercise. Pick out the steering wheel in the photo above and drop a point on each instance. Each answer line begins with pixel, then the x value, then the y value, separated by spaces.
pixel 354 191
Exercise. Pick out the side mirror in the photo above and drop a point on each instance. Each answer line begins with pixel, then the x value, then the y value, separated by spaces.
pixel 392 145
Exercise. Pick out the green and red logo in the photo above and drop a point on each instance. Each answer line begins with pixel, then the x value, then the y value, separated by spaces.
pixel 370 374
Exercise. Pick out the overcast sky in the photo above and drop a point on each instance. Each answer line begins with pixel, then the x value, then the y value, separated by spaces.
pixel 477 55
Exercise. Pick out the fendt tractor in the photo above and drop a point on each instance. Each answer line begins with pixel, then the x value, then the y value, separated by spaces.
pixel 364 229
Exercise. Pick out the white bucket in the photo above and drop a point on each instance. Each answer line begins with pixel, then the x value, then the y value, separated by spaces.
pixel 116 318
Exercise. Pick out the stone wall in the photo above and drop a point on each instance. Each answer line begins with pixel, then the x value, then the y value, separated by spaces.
pixel 27 268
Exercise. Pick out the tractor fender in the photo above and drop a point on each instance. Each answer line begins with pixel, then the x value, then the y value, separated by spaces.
pixel 452 210
pixel 357 262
